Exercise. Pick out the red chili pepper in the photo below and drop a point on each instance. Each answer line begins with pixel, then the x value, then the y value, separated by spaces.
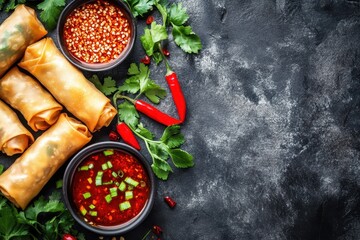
pixel 155 114
pixel 157 230
pixel 177 94
pixel 146 60
pixel 149 20
pixel 113 136
pixel 68 237
pixel 127 135
pixel 170 201
pixel 166 52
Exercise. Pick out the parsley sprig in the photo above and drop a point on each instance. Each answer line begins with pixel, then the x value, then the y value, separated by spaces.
pixel 168 146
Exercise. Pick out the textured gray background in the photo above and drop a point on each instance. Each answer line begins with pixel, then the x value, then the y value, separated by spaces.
pixel 273 122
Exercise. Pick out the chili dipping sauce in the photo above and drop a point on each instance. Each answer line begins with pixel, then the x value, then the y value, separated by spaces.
pixel 97 32
pixel 110 187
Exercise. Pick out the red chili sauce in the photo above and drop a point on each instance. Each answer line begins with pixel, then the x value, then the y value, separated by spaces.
pixel 110 188
pixel 97 32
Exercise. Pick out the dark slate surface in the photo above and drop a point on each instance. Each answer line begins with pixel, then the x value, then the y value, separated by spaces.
pixel 273 123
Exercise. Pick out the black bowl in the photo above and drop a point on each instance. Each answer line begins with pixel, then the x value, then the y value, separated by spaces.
pixel 73 167
pixel 95 66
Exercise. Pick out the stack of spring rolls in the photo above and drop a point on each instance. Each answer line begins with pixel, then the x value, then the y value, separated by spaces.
pixel 41 101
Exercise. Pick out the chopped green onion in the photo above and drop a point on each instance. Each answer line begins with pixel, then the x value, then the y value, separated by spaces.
pixel 91 166
pixel 113 192
pixel 108 183
pixel 109 164
pixel 124 205
pixel 93 213
pixel 84 168
pixel 122 186
pixel 104 166
pixel 120 173
pixel 98 178
pixel 108 152
pixel 128 195
pixel 83 210
pixel 86 195
pixel 131 181
pixel 100 173
pixel 108 198
pixel 92 206
pixel 117 183
pixel 114 174
pixel 130 187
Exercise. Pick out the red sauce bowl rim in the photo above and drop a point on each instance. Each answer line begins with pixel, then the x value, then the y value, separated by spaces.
pixel 94 66
pixel 67 187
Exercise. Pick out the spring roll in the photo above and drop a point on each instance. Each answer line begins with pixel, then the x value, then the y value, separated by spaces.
pixel 18 31
pixel 25 94
pixel 67 84
pixel 14 137
pixel 24 179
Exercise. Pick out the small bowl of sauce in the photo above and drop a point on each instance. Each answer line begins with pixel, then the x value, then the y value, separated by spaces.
pixel 109 188
pixel 96 35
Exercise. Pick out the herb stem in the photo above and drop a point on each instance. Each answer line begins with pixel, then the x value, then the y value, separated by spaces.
pixel 163 13
pixel 118 95
pixel 146 234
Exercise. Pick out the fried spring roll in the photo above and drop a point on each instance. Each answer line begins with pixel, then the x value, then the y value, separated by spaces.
pixel 14 137
pixel 24 179
pixel 18 31
pixel 67 84
pixel 25 94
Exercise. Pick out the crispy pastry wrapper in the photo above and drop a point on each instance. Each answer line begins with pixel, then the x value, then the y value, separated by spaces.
pixel 67 84
pixel 25 94
pixel 25 178
pixel 18 31
pixel 14 137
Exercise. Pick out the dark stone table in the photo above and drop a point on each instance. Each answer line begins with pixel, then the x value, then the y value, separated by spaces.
pixel 273 123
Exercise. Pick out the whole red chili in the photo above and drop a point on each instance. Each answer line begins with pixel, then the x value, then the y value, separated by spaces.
pixel 170 201
pixel 177 94
pixel 113 136
pixel 146 60
pixel 149 20
pixel 157 230
pixel 68 237
pixel 127 135
pixel 155 114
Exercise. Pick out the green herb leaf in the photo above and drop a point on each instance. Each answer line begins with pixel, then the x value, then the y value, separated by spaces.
pixel 1 169
pixel 177 14
pixel 186 39
pixel 10 227
pixel 128 114
pixel 50 11
pixel 144 132
pixel 181 158
pixel 109 86
pixel 154 92
pixel 158 32
pixel 131 85
pixel 159 172
pixel 140 7
pixel 147 42
pixel 172 136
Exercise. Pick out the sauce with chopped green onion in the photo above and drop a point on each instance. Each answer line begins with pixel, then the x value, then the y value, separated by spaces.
pixel 110 187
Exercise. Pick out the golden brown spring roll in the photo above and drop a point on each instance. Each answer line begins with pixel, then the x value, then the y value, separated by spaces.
pixel 24 179
pixel 14 137
pixel 18 31
pixel 25 94
pixel 67 84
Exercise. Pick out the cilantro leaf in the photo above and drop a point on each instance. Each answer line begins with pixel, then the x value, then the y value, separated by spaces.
pixel 181 158
pixel 186 39
pixel 140 7
pixel 158 32
pixel 109 86
pixel 128 114
pixel 159 172
pixel 131 85
pixel 133 69
pixel 154 92
pixel 50 11
pixel 177 14
pixel 147 42
pixel 10 227
pixel 144 132
pixel 1 168
pixel 172 136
